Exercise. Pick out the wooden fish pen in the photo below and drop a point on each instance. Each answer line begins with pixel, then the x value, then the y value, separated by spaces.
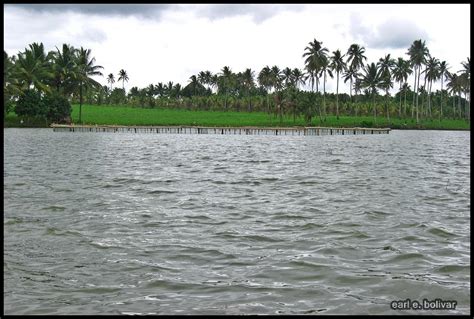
pixel 220 130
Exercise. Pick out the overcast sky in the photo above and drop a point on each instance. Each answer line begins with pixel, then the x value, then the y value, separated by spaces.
pixel 170 42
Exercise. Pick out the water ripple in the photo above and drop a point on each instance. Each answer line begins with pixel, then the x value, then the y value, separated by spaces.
pixel 195 224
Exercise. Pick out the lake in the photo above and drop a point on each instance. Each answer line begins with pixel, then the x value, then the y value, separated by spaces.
pixel 123 223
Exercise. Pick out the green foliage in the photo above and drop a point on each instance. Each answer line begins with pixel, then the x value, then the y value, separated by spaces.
pixel 8 105
pixel 366 124
pixel 30 104
pixel 118 96
pixel 58 108
pixel 271 93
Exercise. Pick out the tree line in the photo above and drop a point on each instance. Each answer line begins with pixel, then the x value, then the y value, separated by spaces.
pixel 40 83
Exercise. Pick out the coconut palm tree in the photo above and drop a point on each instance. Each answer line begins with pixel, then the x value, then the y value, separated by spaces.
pixel 464 87
pixel 111 80
pixel 213 81
pixel 225 81
pixel 338 65
pixel 386 84
pixel 86 69
pixel 10 83
pixel 443 69
pixel 159 89
pixel 249 84
pixel 168 89
pixel 277 82
pixel 298 77
pixel 310 75
pixel 466 83
pixel 194 84
pixel 355 61
pixel 176 91
pixel 350 76
pixel 453 86
pixel 432 74
pixel 371 79
pixel 385 68
pixel 355 57
pixel 357 89
pixel 64 68
pixel 325 70
pixel 31 69
pixel 123 76
pixel 264 79
pixel 405 89
pixel 204 77
pixel 313 53
pixel 417 52
pixel 424 86
pixel 401 71
pixel 287 75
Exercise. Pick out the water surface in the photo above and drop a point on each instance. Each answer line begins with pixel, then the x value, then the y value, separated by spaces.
pixel 123 223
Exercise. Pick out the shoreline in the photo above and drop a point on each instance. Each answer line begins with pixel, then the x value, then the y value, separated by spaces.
pixel 236 127
pixel 147 117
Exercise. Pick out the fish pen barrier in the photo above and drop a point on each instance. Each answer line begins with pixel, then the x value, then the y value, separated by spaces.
pixel 220 130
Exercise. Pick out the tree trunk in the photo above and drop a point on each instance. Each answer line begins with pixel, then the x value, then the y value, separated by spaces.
pixel 423 109
pixel 324 97
pixel 280 108
pixel 417 117
pixel 413 103
pixel 375 112
pixel 80 103
pixel 459 106
pixel 350 92
pixel 468 99
pixel 454 105
pixel 400 108
pixel 405 104
pixel 429 98
pixel 337 97
pixel 442 96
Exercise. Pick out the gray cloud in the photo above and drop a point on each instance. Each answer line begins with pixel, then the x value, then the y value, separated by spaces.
pixel 144 10
pixel 258 12
pixel 357 28
pixel 92 35
pixel 397 34
pixel 391 34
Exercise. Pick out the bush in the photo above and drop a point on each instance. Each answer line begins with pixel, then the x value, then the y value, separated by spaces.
pixel 366 124
pixel 30 104
pixel 57 107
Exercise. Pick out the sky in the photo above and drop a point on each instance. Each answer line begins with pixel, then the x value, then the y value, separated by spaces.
pixel 170 42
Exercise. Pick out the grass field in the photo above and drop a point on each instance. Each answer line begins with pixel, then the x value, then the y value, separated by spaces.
pixel 124 115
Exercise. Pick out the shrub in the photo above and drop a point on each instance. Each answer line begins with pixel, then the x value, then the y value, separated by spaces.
pixel 30 104
pixel 57 107
pixel 366 124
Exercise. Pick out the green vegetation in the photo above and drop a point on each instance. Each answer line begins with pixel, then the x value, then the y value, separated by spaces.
pixel 39 88
pixel 124 115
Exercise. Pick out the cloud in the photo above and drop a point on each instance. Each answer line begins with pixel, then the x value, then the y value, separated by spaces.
pixel 258 12
pixel 89 35
pixel 124 10
pixel 357 28
pixel 393 33
pixel 397 34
